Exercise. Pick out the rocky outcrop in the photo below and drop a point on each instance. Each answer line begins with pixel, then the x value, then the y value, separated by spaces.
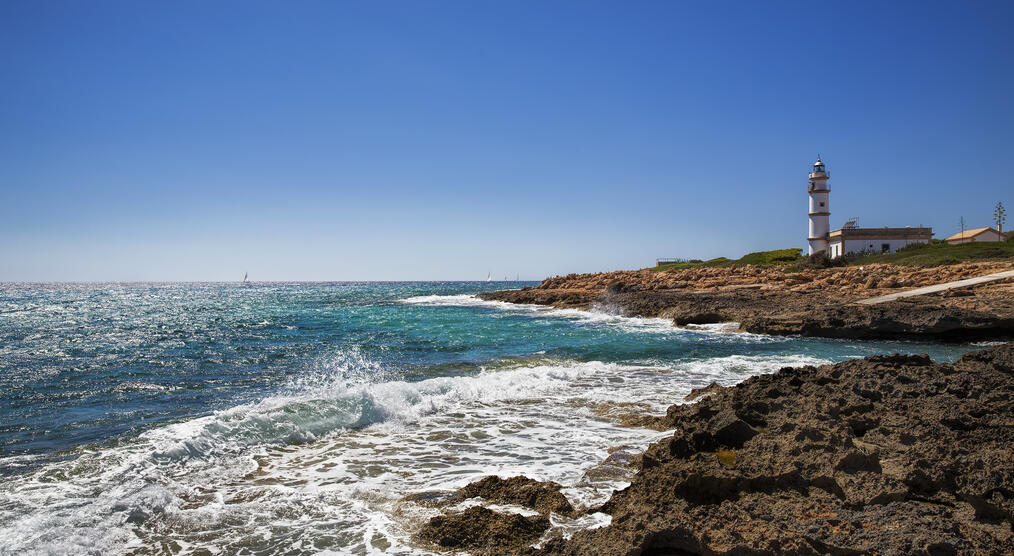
pixel 847 282
pixel 887 454
pixel 541 496
pixel 484 531
pixel 929 317
pixel 777 301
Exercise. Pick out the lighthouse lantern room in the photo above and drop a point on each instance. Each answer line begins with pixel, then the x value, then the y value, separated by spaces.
pixel 820 210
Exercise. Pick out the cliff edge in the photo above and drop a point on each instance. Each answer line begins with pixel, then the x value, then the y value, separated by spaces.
pixel 785 302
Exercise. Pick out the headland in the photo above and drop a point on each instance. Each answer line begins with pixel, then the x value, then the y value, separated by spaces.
pixel 787 300
pixel 890 454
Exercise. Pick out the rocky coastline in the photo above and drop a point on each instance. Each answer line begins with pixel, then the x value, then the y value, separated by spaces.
pixel 885 455
pixel 888 454
pixel 780 301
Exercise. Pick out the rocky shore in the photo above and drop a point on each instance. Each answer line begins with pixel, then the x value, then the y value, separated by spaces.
pixel 884 455
pixel 784 302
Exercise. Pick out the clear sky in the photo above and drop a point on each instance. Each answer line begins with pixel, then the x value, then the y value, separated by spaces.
pixel 196 140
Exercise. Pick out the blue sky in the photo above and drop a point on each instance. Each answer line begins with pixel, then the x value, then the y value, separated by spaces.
pixel 444 140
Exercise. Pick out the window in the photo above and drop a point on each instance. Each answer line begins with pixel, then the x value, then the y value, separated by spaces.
pixel 822 204
pixel 885 247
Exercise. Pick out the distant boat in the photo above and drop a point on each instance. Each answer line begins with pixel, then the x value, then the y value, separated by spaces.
pixel 489 277
pixel 245 281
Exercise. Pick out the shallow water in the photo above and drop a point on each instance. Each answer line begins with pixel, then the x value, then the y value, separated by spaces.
pixel 294 418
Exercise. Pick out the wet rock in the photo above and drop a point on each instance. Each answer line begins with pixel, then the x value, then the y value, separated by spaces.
pixel 432 498
pixel 541 496
pixel 483 531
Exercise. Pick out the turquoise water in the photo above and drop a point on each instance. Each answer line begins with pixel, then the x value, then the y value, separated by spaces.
pixel 294 418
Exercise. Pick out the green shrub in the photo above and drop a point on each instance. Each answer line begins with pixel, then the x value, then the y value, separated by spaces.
pixel 818 260
pixel 771 258
pixel 759 258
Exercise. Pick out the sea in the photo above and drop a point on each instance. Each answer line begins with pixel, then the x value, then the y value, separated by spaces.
pixel 307 418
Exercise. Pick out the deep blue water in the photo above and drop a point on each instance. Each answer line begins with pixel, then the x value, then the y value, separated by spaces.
pixel 131 414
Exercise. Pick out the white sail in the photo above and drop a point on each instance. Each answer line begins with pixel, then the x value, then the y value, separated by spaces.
pixel 489 277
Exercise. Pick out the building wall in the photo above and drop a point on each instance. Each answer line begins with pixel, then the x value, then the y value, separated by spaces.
pixel 819 219
pixel 818 201
pixel 988 235
pixel 820 222
pixel 844 247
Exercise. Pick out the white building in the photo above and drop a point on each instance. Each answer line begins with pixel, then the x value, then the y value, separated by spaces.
pixel 849 238
pixel 978 234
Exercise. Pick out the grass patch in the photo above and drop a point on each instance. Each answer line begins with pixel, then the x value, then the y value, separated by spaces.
pixel 936 254
pixel 760 258
pixel 727 457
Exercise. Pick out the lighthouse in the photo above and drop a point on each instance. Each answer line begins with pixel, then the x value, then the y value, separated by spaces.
pixel 820 211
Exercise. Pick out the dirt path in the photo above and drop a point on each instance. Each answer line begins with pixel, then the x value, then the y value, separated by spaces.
pixel 939 287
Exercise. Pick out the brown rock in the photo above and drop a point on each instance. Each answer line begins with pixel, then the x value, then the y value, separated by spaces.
pixel 483 531
pixel 543 497
pixel 812 302
pixel 885 455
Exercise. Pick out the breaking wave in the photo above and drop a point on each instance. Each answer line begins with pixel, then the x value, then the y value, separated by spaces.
pixel 339 448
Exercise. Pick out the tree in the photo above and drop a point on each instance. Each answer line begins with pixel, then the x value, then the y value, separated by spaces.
pixel 999 216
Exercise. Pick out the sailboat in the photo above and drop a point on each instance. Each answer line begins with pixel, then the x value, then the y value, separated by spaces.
pixel 245 281
pixel 489 277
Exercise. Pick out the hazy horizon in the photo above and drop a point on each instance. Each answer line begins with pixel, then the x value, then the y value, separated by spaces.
pixel 442 141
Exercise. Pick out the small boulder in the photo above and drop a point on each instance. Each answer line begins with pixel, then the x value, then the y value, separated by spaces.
pixel 482 529
pixel 543 497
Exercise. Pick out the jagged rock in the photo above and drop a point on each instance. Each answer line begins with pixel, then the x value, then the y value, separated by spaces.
pixel 889 455
pixel 543 497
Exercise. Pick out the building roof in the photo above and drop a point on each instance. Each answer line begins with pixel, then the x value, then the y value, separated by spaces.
pixel 882 233
pixel 968 234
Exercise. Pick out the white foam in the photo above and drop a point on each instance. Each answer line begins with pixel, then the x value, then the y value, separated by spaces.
pixel 599 315
pixel 464 301
pixel 718 327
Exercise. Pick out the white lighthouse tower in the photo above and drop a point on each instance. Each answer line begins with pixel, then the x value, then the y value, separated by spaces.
pixel 820 210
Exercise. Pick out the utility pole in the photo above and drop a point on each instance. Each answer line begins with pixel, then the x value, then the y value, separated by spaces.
pixel 961 222
pixel 999 216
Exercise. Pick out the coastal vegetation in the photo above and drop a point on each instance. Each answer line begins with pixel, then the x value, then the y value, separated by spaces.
pixel 776 257
pixel 937 253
